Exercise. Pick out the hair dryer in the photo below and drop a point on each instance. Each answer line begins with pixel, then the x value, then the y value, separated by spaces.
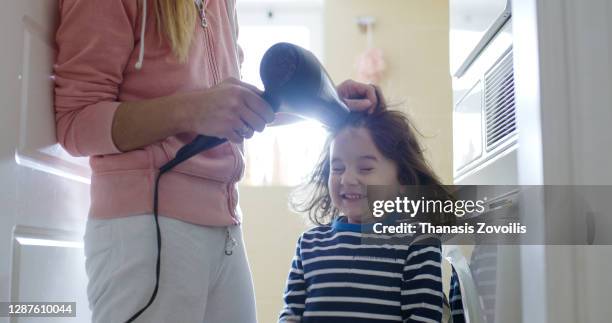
pixel 296 83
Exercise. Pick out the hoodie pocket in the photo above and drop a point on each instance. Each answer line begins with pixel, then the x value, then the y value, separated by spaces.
pixel 135 159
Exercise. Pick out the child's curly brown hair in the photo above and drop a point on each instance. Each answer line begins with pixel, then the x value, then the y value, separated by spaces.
pixel 394 137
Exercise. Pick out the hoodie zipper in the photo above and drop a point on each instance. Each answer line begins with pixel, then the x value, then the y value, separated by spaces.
pixel 211 55
pixel 212 63
pixel 202 6
pixel 232 182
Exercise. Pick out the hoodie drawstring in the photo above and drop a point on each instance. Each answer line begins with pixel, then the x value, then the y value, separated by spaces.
pixel 138 64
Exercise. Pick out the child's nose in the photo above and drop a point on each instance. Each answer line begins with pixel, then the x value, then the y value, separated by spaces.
pixel 349 178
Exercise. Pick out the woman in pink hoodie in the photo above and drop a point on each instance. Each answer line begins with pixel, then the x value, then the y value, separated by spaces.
pixel 135 81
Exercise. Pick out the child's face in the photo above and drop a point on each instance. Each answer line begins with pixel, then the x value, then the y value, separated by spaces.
pixel 356 163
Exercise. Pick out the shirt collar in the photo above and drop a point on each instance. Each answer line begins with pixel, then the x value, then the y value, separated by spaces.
pixel 341 224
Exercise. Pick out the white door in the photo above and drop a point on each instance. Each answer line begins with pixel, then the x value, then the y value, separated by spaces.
pixel 563 79
pixel 44 193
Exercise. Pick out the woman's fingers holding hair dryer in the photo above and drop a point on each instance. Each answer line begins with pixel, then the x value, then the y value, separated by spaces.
pixel 254 99
pixel 232 109
pixel 259 112
pixel 245 131
pixel 247 85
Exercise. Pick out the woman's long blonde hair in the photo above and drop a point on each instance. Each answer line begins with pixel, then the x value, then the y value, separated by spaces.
pixel 175 20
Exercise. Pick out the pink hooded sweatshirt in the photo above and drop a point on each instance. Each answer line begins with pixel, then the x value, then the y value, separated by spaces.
pixel 99 45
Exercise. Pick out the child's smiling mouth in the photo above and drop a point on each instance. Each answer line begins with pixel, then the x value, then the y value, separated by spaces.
pixel 352 196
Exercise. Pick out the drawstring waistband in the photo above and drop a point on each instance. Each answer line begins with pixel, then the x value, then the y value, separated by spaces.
pixel 230 242
pixel 138 64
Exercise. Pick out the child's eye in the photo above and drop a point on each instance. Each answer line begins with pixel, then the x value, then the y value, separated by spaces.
pixel 367 169
pixel 337 169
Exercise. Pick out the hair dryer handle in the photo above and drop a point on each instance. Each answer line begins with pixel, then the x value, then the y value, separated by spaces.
pixel 197 145
pixel 202 142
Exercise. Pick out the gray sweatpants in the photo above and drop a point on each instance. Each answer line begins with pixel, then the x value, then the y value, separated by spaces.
pixel 198 281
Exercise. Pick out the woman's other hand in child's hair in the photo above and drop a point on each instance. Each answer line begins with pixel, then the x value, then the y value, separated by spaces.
pixel 360 96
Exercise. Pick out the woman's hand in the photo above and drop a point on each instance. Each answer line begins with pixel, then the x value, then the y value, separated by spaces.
pixel 232 109
pixel 361 97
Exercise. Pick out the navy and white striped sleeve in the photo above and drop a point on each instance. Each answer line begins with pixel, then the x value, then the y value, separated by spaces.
pixel 456 302
pixel 295 291
pixel 422 295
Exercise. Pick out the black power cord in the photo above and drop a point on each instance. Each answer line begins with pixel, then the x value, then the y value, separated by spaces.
pixel 199 144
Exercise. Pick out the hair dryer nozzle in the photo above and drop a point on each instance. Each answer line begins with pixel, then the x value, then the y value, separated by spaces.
pixel 296 83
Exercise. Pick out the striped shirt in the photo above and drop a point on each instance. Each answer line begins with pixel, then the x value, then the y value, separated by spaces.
pixel 340 274
pixel 483 268
pixel 456 303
